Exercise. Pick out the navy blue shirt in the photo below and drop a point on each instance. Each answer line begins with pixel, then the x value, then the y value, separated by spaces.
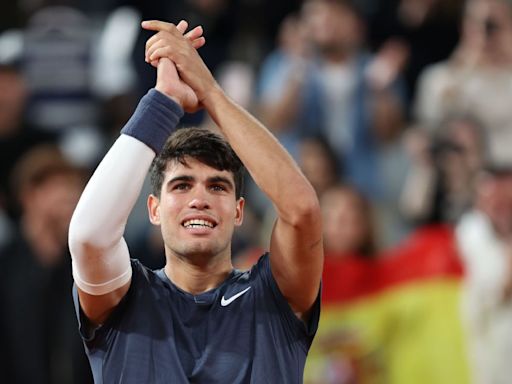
pixel 243 331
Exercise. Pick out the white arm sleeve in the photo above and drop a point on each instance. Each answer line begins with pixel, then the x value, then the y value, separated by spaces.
pixel 100 257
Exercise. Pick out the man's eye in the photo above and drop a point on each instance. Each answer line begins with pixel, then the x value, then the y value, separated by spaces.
pixel 182 186
pixel 218 188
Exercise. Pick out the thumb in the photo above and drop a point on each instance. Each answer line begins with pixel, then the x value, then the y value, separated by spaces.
pixel 166 69
pixel 167 80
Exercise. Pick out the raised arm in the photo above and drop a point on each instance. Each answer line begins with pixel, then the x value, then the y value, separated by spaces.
pixel 100 257
pixel 296 252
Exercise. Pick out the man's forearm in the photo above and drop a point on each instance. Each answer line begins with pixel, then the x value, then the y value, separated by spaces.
pixel 97 226
pixel 270 165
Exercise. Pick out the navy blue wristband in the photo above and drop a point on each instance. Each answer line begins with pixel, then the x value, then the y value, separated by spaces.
pixel 154 120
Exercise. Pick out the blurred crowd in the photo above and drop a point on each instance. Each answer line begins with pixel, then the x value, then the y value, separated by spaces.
pixel 399 112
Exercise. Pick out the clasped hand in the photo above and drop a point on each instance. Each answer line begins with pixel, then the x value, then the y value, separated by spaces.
pixel 181 73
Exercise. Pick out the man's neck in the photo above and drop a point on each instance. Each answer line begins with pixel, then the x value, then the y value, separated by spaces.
pixel 197 278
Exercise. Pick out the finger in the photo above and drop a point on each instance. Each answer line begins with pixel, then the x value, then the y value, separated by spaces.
pixel 198 43
pixel 157 36
pixel 191 35
pixel 182 26
pixel 194 33
pixel 162 52
pixel 161 39
pixel 171 69
pixel 155 46
pixel 157 25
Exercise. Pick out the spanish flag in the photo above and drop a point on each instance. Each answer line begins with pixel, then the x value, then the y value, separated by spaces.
pixel 395 319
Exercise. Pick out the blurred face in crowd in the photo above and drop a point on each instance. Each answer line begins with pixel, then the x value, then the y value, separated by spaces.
pixel 460 156
pixel 52 201
pixel 346 216
pixel 468 136
pixel 487 27
pixel 332 26
pixel 293 37
pixel 12 101
pixel 317 165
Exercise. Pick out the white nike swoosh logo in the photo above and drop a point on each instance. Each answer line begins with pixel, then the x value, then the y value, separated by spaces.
pixel 224 302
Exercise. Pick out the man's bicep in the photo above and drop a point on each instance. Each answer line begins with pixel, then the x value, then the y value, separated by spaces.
pixel 102 278
pixel 97 308
pixel 296 258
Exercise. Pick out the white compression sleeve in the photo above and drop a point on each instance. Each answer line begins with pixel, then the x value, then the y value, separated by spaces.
pixel 100 257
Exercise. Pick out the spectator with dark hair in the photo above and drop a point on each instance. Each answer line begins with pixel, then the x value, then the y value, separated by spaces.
pixel 38 335
pixel 385 311
pixel 348 223
pixel 319 163
pixel 321 81
pixel 441 184
pixel 350 249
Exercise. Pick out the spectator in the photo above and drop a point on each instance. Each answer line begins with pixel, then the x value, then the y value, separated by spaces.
pixel 39 335
pixel 444 170
pixel 344 207
pixel 318 163
pixel 476 78
pixel 392 168
pixel 485 239
pixel 349 244
pixel 388 316
pixel 320 80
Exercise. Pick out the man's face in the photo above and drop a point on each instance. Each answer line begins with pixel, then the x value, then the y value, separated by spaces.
pixel 345 222
pixel 332 27
pixel 52 203
pixel 488 26
pixel 197 210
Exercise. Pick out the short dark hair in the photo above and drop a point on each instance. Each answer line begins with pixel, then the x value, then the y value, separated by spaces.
pixel 203 145
pixel 349 5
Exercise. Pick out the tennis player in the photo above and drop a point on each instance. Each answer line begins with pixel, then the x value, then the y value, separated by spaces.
pixel 197 320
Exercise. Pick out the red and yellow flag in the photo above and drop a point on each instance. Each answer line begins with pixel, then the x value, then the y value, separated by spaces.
pixel 394 319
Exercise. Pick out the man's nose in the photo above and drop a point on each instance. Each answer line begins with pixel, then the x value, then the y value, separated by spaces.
pixel 199 201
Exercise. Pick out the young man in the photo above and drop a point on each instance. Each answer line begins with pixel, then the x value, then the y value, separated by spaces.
pixel 197 320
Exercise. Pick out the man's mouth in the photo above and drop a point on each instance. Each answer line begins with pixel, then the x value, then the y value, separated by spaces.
pixel 199 223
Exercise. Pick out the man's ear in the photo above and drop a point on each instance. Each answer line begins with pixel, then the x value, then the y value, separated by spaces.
pixel 154 209
pixel 239 216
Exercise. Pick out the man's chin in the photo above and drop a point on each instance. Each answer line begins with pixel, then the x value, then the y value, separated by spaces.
pixel 198 250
